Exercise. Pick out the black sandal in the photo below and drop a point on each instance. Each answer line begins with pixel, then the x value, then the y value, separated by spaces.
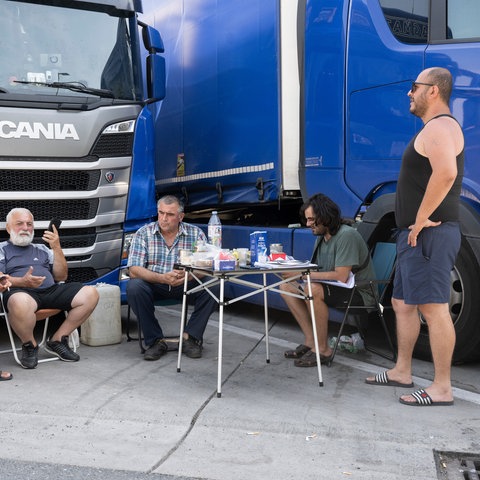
pixel 310 360
pixel 4 376
pixel 299 352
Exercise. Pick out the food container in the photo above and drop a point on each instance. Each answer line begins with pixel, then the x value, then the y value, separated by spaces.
pixel 276 248
pixel 224 264
pixel 185 257
pixel 202 259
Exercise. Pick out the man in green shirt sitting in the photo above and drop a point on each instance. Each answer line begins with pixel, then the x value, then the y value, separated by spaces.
pixel 339 252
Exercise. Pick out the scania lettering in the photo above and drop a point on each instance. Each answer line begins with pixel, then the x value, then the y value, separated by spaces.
pixel 76 124
pixel 270 101
pixel 50 131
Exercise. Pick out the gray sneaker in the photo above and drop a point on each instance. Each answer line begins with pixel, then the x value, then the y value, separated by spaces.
pixel 62 350
pixel 29 355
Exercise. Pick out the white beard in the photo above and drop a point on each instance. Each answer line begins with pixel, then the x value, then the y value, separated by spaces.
pixel 21 239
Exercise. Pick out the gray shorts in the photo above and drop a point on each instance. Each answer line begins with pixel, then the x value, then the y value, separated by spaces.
pixel 422 273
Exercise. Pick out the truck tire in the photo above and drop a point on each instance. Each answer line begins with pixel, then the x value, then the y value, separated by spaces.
pixel 464 308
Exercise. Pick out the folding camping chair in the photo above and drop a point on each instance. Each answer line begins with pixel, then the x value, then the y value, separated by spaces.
pixel 43 314
pixel 383 258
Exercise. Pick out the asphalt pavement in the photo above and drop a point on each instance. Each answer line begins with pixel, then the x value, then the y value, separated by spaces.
pixel 114 416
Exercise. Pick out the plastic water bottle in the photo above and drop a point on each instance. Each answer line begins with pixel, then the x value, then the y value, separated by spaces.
pixel 357 342
pixel 215 230
pixel 351 344
pixel 347 343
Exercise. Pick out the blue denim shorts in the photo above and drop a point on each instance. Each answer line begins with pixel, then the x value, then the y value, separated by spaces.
pixel 422 273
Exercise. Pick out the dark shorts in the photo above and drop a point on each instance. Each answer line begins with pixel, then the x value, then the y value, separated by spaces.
pixel 422 273
pixel 338 296
pixel 58 296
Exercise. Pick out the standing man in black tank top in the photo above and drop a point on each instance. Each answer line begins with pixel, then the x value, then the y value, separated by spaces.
pixel 427 214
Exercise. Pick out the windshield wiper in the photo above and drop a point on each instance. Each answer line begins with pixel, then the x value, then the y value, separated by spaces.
pixel 2 90
pixel 73 86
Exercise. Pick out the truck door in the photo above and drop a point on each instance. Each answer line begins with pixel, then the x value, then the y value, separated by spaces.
pixel 385 52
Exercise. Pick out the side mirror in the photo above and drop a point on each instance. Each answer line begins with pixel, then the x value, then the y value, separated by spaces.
pixel 155 67
pixel 152 40
pixel 156 78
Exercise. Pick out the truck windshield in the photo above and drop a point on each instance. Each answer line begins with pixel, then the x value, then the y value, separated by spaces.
pixel 76 52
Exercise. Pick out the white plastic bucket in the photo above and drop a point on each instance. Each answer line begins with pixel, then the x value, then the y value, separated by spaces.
pixel 104 325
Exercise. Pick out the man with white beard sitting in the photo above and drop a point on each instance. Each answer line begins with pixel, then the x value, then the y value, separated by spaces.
pixel 33 271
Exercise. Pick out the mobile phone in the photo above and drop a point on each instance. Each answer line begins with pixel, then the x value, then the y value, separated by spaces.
pixel 54 221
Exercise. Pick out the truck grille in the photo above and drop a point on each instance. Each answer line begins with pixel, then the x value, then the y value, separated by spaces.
pixel 77 237
pixel 118 145
pixel 48 180
pixel 79 210
pixel 69 238
pixel 82 275
pixel 46 209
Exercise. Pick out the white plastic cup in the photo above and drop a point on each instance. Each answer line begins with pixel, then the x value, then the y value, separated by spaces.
pixel 242 256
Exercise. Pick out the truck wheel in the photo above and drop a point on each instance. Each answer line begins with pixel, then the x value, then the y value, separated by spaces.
pixel 464 309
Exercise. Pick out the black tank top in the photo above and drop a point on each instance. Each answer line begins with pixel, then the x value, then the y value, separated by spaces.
pixel 414 175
